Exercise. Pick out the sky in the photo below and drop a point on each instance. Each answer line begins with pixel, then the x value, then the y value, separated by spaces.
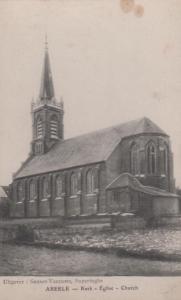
pixel 110 66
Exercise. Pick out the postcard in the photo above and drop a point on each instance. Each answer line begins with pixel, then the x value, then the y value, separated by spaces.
pixel 90 156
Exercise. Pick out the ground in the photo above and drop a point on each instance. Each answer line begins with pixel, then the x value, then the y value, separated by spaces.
pixel 163 242
pixel 19 260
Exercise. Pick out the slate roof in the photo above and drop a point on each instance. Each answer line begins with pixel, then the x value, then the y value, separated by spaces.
pixel 128 180
pixel 3 193
pixel 86 149
pixel 6 189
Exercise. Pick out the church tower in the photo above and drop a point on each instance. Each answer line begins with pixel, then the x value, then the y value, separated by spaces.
pixel 47 113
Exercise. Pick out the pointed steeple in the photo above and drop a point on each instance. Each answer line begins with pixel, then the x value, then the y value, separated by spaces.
pixel 46 88
pixel 47 113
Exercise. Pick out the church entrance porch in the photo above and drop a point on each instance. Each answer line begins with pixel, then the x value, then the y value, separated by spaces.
pixel 127 194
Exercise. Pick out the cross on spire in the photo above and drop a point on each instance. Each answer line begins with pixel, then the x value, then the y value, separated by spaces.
pixel 46 42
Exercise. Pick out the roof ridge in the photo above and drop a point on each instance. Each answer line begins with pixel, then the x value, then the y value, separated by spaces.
pixel 103 129
pixel 87 148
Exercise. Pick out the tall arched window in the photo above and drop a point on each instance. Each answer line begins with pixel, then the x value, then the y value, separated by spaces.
pixel 135 160
pixel 163 160
pixel 20 192
pixel 54 127
pixel 151 158
pixel 58 186
pixel 90 181
pixel 74 184
pixel 45 188
pixel 32 190
pixel 39 128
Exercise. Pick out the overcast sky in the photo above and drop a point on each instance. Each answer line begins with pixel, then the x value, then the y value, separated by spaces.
pixel 109 66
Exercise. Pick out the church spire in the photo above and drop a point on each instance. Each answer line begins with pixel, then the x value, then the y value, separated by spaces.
pixel 46 88
pixel 47 113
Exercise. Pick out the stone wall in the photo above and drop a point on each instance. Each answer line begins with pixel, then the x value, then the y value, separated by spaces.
pixel 128 222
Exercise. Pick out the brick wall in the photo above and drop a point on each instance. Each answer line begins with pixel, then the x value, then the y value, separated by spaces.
pixel 122 203
pixel 113 164
pixel 158 180
pixel 66 204
pixel 58 207
pixel 165 206
pixel 32 209
pixel 45 113
pixel 44 208
pixel 82 203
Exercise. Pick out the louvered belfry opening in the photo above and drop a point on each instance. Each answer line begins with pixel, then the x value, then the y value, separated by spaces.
pixel 47 112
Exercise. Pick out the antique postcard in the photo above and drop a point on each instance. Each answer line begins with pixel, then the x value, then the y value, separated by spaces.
pixel 90 156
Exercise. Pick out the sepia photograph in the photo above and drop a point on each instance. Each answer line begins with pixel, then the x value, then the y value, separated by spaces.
pixel 90 128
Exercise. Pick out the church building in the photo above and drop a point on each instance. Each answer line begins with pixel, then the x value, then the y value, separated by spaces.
pixel 124 168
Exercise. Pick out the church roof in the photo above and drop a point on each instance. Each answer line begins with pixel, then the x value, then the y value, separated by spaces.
pixel 3 194
pixel 128 180
pixel 86 149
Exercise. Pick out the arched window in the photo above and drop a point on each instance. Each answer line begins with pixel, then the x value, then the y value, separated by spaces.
pixel 20 192
pixel 74 184
pixel 32 190
pixel 45 188
pixel 135 160
pixel 151 158
pixel 39 128
pixel 54 127
pixel 58 186
pixel 163 160
pixel 90 181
